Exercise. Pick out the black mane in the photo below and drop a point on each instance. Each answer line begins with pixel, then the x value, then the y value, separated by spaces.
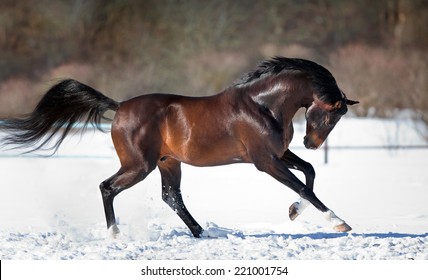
pixel 322 80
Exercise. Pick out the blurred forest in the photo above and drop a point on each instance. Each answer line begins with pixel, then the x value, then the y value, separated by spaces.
pixel 377 50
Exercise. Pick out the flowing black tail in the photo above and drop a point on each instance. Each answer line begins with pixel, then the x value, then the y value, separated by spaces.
pixel 64 105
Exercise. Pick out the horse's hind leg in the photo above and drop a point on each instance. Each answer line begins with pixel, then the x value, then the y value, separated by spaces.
pixel 171 176
pixel 122 180
pixel 138 151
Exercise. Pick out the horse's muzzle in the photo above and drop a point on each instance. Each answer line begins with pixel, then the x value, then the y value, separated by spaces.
pixel 310 143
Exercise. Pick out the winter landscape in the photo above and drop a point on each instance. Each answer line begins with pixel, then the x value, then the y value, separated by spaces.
pixel 51 208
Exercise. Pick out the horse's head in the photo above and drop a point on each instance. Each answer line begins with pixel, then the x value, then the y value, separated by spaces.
pixel 321 118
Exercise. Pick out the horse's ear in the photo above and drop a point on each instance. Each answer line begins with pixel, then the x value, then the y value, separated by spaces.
pixel 337 105
pixel 351 102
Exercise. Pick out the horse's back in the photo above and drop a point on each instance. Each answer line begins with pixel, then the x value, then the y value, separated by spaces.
pixel 197 131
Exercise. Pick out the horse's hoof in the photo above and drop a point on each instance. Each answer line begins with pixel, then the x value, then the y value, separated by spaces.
pixel 113 231
pixel 292 212
pixel 342 228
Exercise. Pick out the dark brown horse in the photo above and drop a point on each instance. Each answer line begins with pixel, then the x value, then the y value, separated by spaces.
pixel 249 122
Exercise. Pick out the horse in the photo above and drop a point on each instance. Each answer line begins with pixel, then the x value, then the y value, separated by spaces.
pixel 248 122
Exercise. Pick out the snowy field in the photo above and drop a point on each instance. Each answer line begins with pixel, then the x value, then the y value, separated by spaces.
pixel 51 208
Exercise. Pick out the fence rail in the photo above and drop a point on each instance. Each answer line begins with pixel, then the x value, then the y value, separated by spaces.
pixel 327 147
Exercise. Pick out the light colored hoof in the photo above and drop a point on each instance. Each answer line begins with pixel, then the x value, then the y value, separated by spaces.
pixel 297 208
pixel 113 231
pixel 342 228
pixel 292 211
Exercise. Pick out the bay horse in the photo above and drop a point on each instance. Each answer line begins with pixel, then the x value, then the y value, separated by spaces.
pixel 248 122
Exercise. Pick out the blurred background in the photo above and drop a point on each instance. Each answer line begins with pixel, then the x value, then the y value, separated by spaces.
pixel 377 50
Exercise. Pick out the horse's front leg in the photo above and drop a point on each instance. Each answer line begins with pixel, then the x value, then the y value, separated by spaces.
pixel 294 162
pixel 278 169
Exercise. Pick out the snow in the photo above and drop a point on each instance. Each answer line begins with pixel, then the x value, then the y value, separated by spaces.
pixel 51 208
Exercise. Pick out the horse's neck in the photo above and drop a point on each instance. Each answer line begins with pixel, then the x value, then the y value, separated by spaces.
pixel 283 98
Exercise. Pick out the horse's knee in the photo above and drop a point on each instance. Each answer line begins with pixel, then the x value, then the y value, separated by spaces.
pixel 309 170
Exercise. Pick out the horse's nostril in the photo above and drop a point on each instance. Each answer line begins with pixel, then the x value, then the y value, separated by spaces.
pixel 305 140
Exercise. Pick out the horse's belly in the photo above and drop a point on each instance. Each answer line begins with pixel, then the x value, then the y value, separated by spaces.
pixel 208 151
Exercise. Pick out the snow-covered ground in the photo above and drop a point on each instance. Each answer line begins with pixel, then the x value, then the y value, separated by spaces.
pixel 50 208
